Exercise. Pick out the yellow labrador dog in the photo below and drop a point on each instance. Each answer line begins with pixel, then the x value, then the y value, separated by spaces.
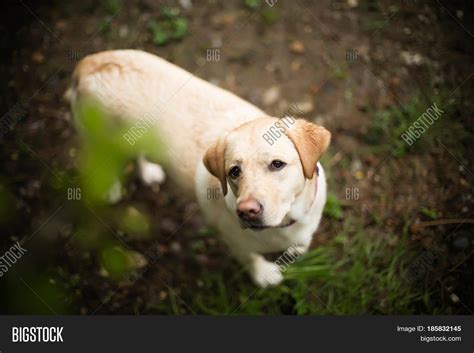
pixel 257 178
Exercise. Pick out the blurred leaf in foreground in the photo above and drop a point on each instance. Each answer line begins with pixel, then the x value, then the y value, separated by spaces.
pixel 134 222
pixel 105 151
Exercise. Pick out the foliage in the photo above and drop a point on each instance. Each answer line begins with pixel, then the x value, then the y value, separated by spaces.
pixel 105 152
pixel 253 4
pixel 269 14
pixel 170 26
pixel 112 6
pixel 333 207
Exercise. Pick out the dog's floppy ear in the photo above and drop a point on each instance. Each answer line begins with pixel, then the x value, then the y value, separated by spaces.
pixel 311 141
pixel 214 162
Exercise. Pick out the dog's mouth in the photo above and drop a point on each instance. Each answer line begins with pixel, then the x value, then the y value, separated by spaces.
pixel 259 227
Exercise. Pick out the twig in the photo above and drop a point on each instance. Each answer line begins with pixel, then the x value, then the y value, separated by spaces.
pixel 415 227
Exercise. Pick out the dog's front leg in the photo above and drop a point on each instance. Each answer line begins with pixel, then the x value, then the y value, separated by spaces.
pixel 263 273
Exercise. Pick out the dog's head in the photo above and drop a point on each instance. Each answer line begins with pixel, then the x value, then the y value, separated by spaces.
pixel 266 163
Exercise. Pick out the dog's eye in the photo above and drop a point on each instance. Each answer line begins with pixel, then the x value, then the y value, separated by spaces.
pixel 234 172
pixel 277 165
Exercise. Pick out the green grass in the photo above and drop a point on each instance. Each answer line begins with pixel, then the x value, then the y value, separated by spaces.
pixel 352 274
pixel 269 14
pixel 333 207
pixel 253 4
pixel 388 125
pixel 112 6
pixel 169 27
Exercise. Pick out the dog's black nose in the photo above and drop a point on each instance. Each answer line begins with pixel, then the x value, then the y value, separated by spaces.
pixel 249 210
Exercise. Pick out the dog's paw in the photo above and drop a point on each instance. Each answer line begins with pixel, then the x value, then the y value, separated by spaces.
pixel 152 173
pixel 297 251
pixel 266 274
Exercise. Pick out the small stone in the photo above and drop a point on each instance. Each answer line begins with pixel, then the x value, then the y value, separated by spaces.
pixel 395 81
pixel 61 25
pixel 393 8
pixel 175 247
pixel 37 57
pixel 202 259
pixel 297 47
pixel 224 19
pixel 216 41
pixel 423 19
pixel 295 65
pixel 123 31
pixel 168 225
pixel 412 58
pixel 270 67
pixel 103 272
pixel 356 165
pixel 305 106
pixel 352 3
pixel 271 95
pixel 186 4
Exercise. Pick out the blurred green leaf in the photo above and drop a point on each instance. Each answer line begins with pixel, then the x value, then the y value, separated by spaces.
pixel 431 213
pixel 160 35
pixel 270 15
pixel 134 222
pixel 105 151
pixel 43 293
pixel 333 207
pixel 207 231
pixel 253 4
pixel 180 28
pixel 169 12
pixel 112 6
pixel 115 261
pixel 169 27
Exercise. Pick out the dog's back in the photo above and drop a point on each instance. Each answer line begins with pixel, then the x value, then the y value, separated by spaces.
pixel 186 113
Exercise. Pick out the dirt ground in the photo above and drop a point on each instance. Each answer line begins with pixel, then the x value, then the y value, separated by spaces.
pixel 342 62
